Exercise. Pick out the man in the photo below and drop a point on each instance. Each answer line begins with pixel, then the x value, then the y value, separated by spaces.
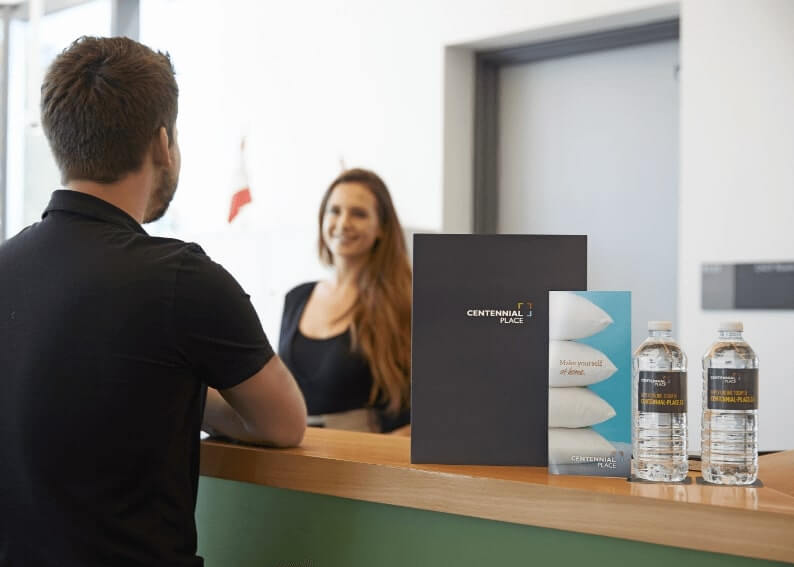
pixel 109 337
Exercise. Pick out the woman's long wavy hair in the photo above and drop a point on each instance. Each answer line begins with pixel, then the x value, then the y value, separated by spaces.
pixel 381 317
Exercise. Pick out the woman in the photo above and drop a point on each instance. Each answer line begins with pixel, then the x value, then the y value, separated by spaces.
pixel 347 339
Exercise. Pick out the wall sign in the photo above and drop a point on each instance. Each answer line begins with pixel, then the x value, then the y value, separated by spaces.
pixel 748 286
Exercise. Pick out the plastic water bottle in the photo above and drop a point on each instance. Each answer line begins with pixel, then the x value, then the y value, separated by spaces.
pixel 730 409
pixel 659 407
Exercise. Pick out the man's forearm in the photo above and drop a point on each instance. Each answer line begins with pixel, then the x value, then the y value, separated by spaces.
pixel 268 408
pixel 221 418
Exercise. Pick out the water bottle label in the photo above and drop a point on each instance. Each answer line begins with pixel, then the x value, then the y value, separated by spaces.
pixel 661 392
pixel 733 389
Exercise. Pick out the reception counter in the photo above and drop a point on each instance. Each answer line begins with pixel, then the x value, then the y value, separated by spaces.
pixel 350 499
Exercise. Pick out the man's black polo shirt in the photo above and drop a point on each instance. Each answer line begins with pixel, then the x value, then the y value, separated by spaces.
pixel 108 338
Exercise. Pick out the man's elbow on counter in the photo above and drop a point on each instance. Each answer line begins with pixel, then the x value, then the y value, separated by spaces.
pixel 292 435
pixel 289 429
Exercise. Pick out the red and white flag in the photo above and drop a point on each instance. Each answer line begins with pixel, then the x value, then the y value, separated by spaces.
pixel 241 192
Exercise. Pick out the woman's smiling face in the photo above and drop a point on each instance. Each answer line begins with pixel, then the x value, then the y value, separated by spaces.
pixel 350 221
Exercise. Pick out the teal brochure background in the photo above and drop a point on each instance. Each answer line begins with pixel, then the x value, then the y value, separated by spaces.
pixel 615 342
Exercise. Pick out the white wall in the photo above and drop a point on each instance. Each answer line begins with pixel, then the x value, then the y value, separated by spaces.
pixel 316 83
pixel 737 182
pixel 366 82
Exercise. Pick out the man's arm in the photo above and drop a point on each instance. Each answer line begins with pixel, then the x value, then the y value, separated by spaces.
pixel 267 408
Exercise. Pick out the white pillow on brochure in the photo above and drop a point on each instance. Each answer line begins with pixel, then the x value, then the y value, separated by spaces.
pixel 577 364
pixel 577 407
pixel 572 316
pixel 567 446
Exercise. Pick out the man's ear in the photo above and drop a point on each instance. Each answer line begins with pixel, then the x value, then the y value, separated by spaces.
pixel 160 147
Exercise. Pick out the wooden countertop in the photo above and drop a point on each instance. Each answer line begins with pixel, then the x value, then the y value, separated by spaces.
pixel 753 522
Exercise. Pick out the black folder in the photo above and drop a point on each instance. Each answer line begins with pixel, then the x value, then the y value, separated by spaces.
pixel 479 369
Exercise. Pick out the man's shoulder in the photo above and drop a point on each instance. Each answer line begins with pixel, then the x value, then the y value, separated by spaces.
pixel 185 264
pixel 173 244
pixel 175 251
pixel 20 239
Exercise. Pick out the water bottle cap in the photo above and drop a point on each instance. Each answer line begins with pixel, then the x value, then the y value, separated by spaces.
pixel 732 326
pixel 660 326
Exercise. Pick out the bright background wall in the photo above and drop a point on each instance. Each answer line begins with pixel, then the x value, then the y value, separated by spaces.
pixel 737 181
pixel 317 84
pixel 388 85
pixel 374 84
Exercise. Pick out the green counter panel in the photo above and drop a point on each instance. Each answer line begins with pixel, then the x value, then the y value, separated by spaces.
pixel 247 525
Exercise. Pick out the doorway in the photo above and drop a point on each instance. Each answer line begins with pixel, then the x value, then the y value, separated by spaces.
pixel 587 143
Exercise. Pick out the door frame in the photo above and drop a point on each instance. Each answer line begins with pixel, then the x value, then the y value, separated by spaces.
pixel 488 63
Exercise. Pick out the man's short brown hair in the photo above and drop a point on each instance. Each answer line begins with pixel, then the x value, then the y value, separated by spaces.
pixel 102 102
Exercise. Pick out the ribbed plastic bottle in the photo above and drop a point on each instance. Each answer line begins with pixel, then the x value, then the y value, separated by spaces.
pixel 659 432
pixel 729 434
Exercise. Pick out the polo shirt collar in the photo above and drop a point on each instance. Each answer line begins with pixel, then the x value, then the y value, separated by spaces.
pixel 90 206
